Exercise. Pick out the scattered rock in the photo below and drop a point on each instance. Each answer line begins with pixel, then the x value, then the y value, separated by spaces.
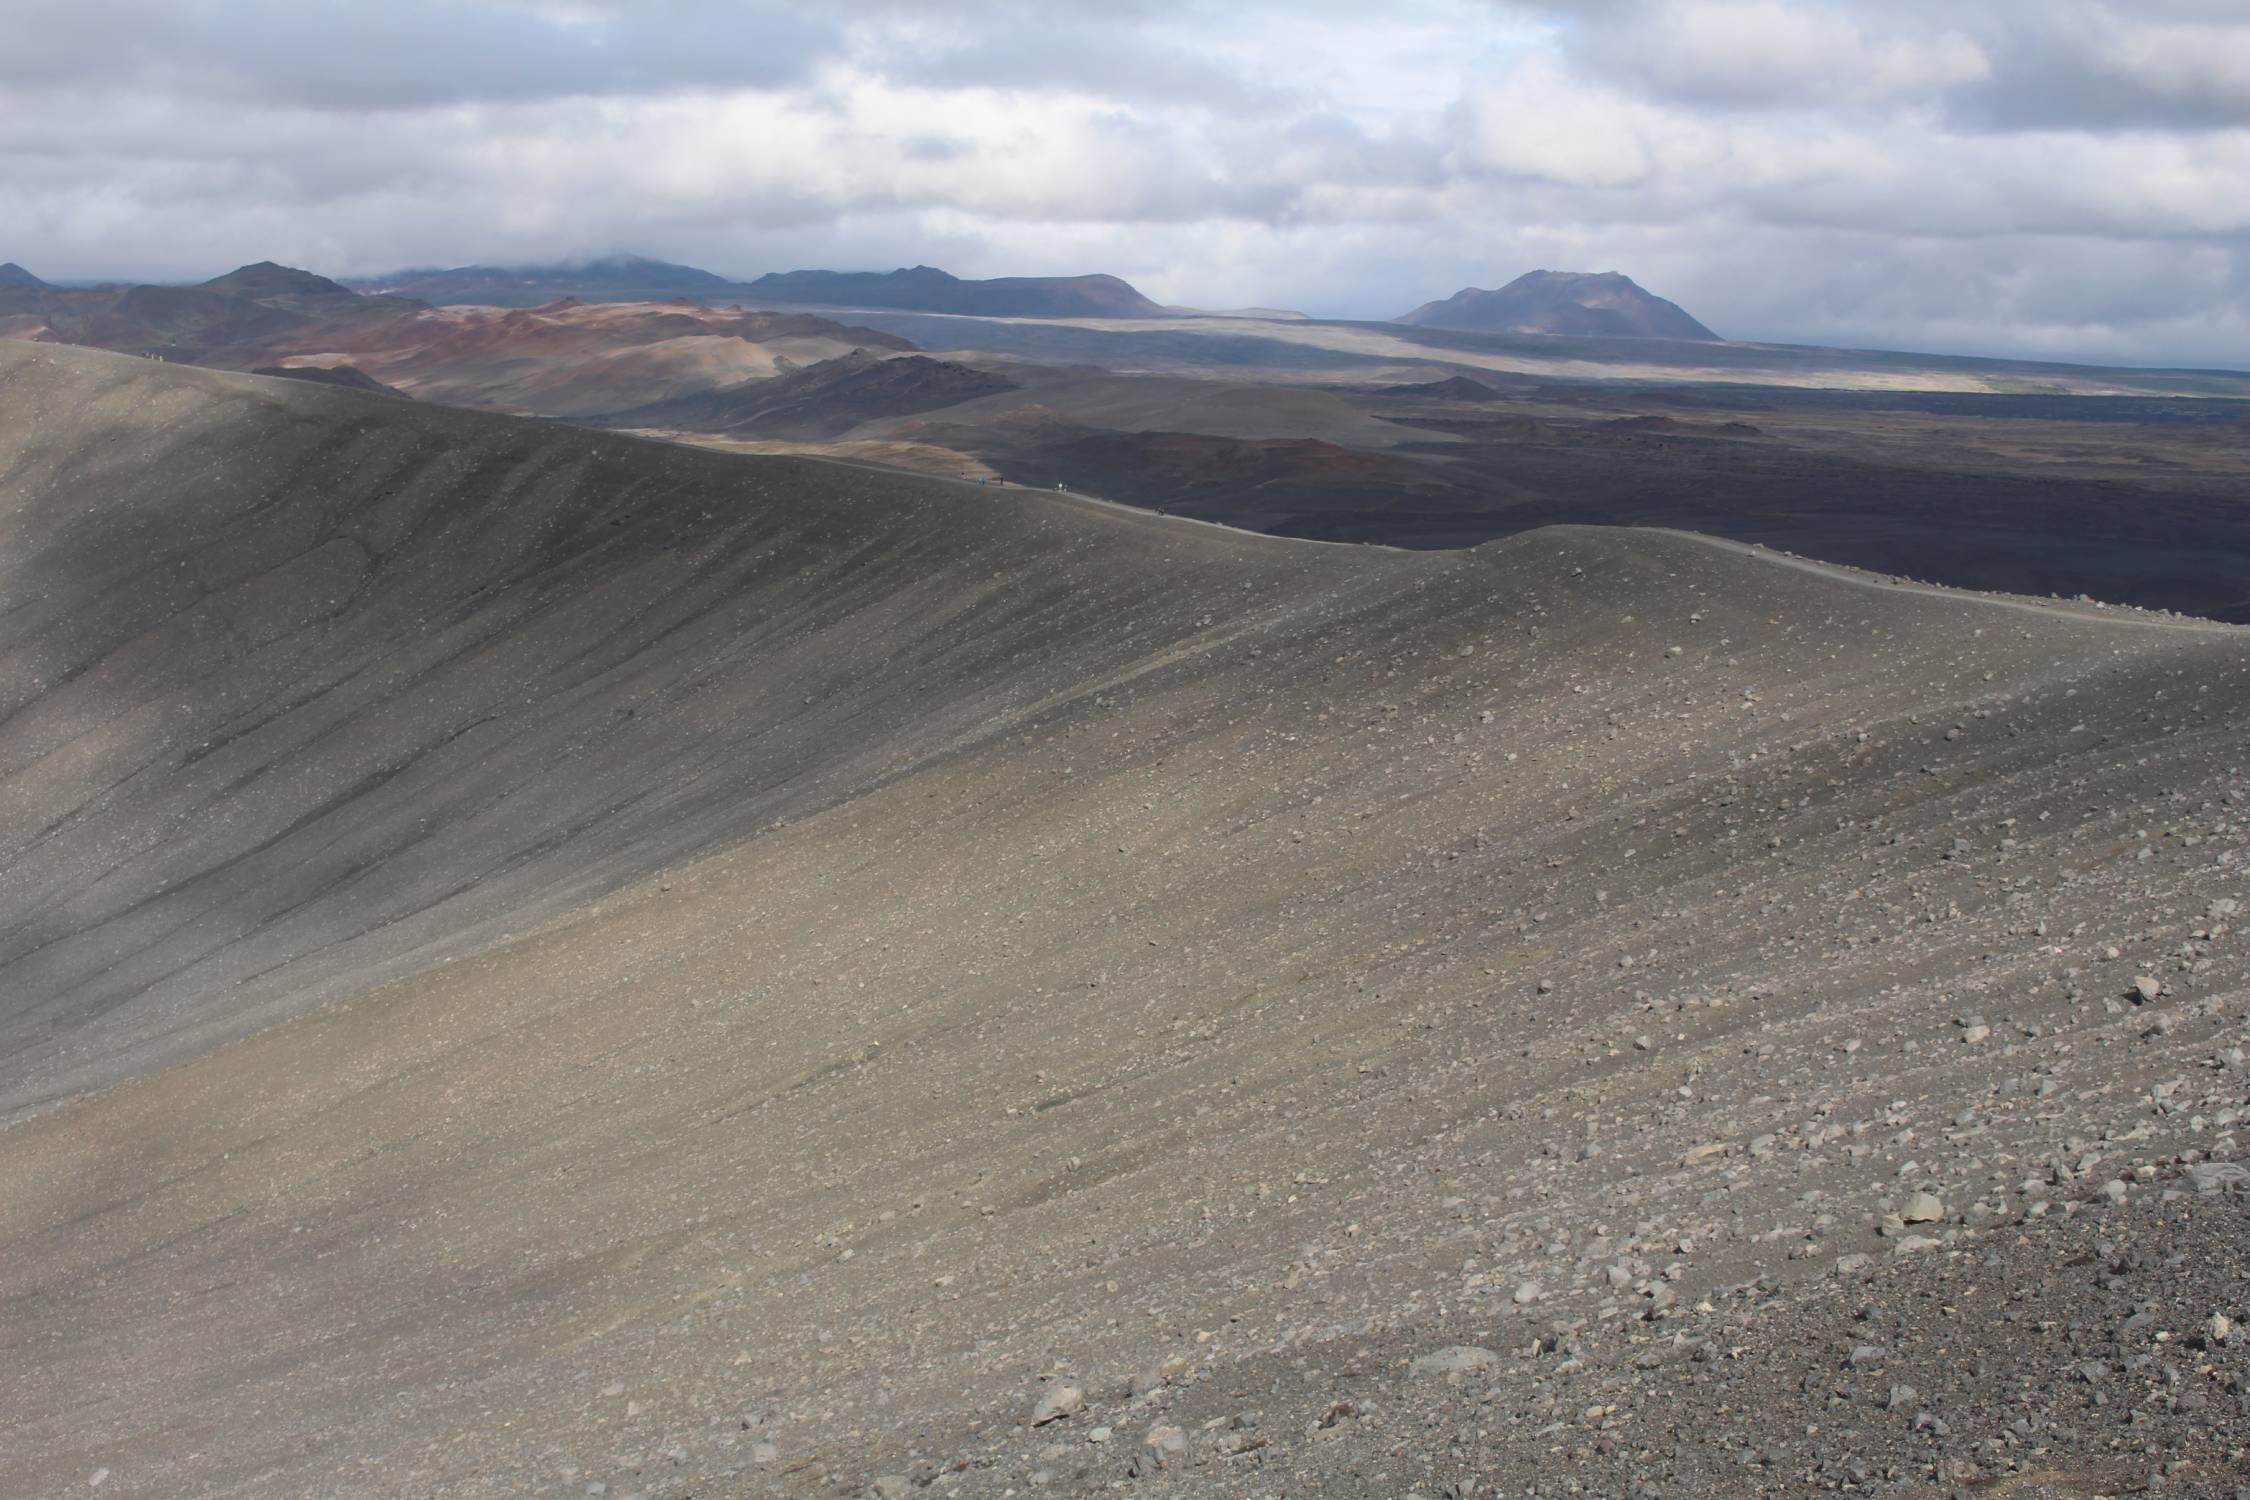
pixel 2209 1177
pixel 1456 1361
pixel 1057 1404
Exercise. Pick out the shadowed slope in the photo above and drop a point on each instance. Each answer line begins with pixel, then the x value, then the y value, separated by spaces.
pixel 348 377
pixel 297 683
pixel 823 400
pixel 1157 954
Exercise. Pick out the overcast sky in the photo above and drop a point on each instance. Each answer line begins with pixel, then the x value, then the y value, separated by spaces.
pixel 2066 178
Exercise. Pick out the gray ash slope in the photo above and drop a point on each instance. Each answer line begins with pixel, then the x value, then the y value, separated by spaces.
pixel 299 682
pixel 833 958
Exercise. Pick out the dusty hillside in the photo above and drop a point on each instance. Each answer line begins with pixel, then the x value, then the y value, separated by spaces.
pixel 863 957
pixel 822 401
pixel 574 359
pixel 287 668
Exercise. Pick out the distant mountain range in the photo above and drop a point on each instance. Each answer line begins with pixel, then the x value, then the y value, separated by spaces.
pixel 614 278
pixel 1578 304
pixel 634 278
pixel 239 311
pixel 1567 303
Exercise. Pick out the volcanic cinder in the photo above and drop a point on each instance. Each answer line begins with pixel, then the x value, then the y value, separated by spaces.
pixel 539 962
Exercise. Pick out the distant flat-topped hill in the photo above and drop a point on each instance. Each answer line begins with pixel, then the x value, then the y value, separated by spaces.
pixel 1581 304
pixel 614 278
pixel 928 289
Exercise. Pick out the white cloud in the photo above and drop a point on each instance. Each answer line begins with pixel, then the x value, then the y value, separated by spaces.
pixel 1822 168
pixel 1764 50
pixel 1539 122
pixel 2201 63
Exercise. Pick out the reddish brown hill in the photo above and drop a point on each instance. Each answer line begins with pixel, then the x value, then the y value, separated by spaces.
pixel 577 359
